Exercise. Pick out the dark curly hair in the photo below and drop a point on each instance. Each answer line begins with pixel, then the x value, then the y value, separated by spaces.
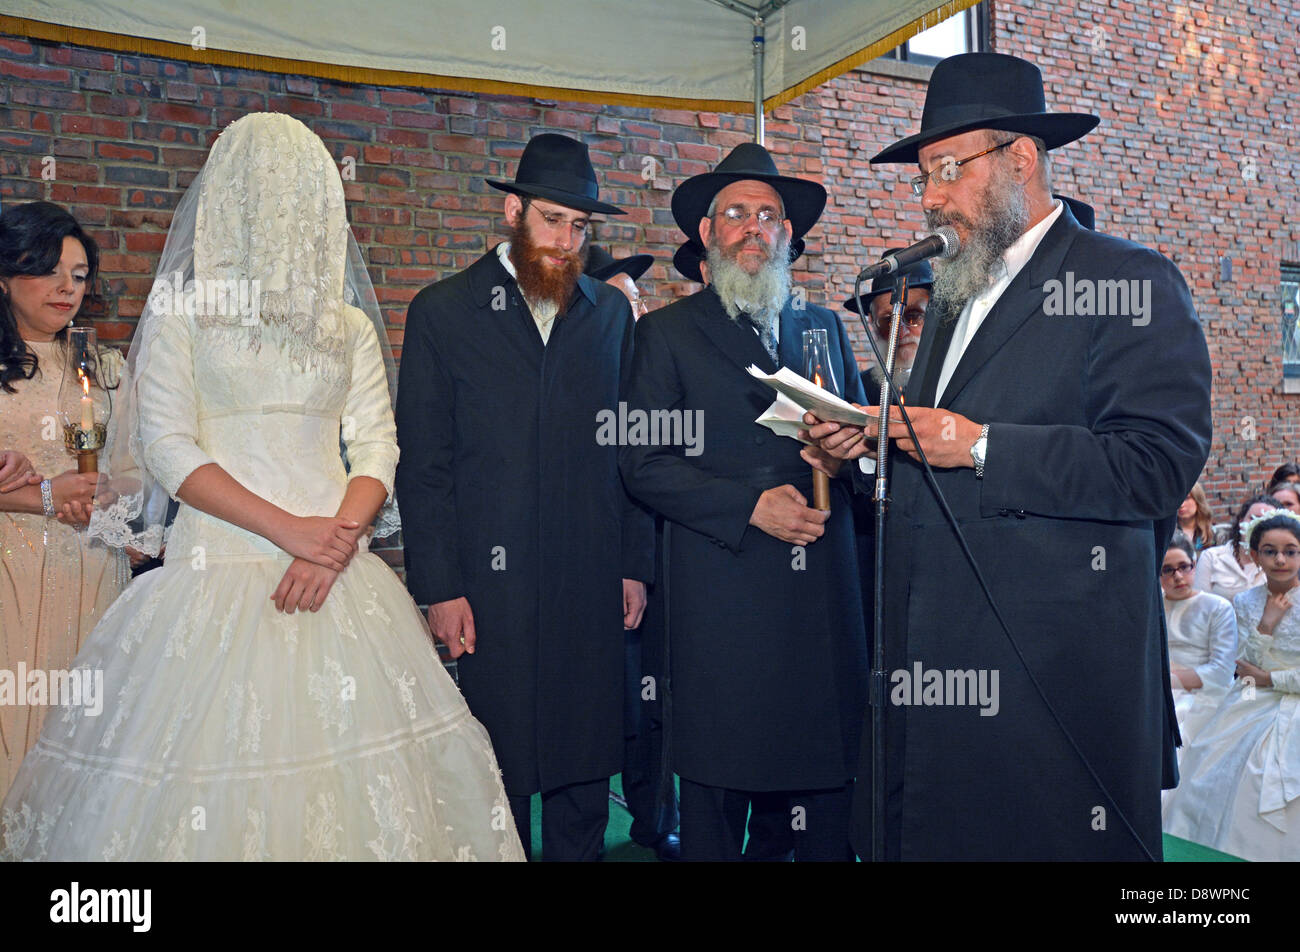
pixel 31 243
pixel 1234 533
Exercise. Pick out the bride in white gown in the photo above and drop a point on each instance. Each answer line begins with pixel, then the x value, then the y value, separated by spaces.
pixel 232 729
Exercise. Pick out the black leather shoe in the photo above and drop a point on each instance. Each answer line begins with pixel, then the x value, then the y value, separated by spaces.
pixel 669 849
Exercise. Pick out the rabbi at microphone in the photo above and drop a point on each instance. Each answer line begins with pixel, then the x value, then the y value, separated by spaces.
pixel 1062 435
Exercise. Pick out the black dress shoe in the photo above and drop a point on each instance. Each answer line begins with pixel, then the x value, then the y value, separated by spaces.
pixel 669 849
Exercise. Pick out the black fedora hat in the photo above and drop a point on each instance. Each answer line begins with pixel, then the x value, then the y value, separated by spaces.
pixel 558 169
pixel 1081 211
pixel 803 199
pixel 988 91
pixel 919 275
pixel 687 258
pixel 602 265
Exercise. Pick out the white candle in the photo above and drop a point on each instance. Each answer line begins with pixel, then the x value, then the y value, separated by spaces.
pixel 87 406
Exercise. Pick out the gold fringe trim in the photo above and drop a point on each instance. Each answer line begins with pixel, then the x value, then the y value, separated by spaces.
pixel 122 43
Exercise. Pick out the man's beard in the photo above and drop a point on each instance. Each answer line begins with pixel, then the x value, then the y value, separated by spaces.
pixel 760 295
pixel 1002 217
pixel 541 282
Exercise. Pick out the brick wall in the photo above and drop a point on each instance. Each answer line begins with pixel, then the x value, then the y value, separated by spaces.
pixel 1188 98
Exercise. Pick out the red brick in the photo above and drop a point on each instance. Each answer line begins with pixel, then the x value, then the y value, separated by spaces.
pixel 132 153
pixel 140 264
pixel 402 97
pixel 294 106
pixel 145 241
pixel 85 193
pixel 41 74
pixel 347 110
pixel 115 106
pixel 174 112
pixel 15 48
pixel 79 59
pixel 407 137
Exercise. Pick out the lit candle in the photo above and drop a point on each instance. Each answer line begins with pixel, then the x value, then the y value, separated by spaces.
pixel 87 405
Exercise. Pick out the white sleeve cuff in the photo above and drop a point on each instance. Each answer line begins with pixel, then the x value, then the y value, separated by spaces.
pixel 172 458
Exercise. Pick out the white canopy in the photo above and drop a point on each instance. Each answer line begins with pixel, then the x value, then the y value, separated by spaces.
pixel 678 53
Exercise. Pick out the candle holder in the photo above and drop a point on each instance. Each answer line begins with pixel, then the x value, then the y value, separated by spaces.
pixel 818 369
pixel 85 424
pixel 85 444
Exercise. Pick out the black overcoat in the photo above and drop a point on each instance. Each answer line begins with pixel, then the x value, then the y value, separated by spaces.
pixel 507 498
pixel 1099 426
pixel 768 654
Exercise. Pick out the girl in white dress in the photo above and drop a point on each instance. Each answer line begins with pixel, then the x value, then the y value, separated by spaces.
pixel 272 692
pixel 1228 569
pixel 1202 641
pixel 1240 788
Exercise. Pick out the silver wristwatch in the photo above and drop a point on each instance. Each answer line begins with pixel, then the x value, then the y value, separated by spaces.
pixel 978 449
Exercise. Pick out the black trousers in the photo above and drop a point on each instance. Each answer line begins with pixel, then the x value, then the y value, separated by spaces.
pixel 806 825
pixel 654 810
pixel 573 821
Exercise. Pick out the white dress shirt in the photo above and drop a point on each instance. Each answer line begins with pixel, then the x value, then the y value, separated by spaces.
pixel 978 307
pixel 1219 572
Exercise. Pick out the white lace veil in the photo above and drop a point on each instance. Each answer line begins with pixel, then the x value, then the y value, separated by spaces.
pixel 265 222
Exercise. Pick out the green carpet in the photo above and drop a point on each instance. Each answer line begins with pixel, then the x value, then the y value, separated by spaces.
pixel 619 847
pixel 1184 851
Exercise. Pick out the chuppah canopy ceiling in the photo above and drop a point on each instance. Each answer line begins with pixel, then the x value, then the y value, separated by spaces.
pixel 692 54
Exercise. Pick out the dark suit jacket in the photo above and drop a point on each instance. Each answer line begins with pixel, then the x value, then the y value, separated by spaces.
pixel 509 498
pixel 767 647
pixel 1099 426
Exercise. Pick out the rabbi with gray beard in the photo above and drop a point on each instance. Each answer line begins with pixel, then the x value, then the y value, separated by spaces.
pixel 768 657
pixel 1061 444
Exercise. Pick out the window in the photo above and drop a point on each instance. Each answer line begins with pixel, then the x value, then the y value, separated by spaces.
pixel 965 32
pixel 1290 329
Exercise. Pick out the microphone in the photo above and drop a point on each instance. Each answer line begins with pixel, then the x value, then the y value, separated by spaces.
pixel 944 243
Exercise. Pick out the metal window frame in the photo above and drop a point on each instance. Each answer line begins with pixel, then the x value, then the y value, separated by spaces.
pixel 1290 274
pixel 978 37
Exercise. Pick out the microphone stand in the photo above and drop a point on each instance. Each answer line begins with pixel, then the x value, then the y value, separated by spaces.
pixel 898 303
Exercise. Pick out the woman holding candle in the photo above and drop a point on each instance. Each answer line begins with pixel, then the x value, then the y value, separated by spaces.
pixel 54 584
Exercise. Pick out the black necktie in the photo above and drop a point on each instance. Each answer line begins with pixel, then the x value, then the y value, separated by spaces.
pixel 767 337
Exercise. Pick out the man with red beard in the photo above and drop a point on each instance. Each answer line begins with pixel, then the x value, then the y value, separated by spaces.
pixel 517 532
pixel 767 656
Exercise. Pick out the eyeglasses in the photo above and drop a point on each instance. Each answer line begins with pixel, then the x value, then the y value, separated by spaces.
pixel 1268 552
pixel 768 217
pixel 948 170
pixel 555 222
pixel 912 317
pixel 1181 569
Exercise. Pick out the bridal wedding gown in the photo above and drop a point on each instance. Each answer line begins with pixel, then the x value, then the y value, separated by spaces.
pixel 233 731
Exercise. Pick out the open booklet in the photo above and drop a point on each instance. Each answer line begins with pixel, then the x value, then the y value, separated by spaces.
pixel 808 396
pixel 795 395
